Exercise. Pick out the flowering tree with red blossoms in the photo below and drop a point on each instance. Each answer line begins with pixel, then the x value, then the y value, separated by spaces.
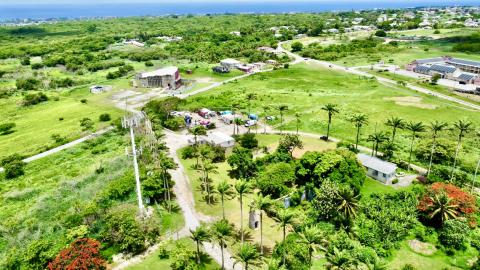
pixel 82 254
pixel 462 202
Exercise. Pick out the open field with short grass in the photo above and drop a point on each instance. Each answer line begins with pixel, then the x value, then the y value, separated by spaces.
pixel 305 88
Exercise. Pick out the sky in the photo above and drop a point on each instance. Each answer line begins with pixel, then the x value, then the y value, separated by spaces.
pixel 10 2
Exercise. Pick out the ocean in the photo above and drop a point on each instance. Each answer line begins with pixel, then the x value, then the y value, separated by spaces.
pixel 10 11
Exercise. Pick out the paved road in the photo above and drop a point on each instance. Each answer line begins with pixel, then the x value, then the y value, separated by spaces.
pixel 65 146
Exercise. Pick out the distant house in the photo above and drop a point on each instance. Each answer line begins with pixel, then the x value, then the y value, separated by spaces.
pixel 170 39
pixel 236 33
pixel 221 69
pixel 134 43
pixel 230 63
pixel 214 138
pixel 267 49
pixel 96 89
pixel 168 77
pixel 378 169
pixel 247 68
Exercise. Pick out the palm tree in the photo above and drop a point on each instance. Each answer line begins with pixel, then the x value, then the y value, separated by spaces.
pixel 395 123
pixel 282 109
pixel 261 203
pixel 199 235
pixel 285 218
pixel 207 167
pixel 266 109
pixel 235 108
pixel 197 131
pixel 247 254
pixel 221 231
pixel 238 122
pixel 377 138
pixel 167 163
pixel 226 192
pixel 463 127
pixel 274 264
pixel 331 109
pixel 347 203
pixel 475 175
pixel 312 236
pixel 443 206
pixel 298 121
pixel 359 120
pixel 414 128
pixel 435 128
pixel 242 188
pixel 250 97
pixel 339 260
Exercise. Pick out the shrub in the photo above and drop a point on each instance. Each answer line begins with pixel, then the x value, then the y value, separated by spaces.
pixel 248 140
pixel 13 166
pixel 81 254
pixel 381 33
pixel 83 101
pixel 28 84
pixel 275 179
pixel 105 117
pixel 34 99
pixel 37 66
pixel 395 181
pixel 188 152
pixel 297 46
pixel 25 61
pixel 7 128
pixel 58 139
pixel 174 123
pixel 454 234
pixel 408 267
pixel 149 64
pixel 86 124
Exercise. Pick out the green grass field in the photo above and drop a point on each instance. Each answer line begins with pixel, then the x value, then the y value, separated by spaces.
pixel 305 88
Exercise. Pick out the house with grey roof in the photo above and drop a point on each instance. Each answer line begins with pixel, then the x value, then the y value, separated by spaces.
pixel 378 169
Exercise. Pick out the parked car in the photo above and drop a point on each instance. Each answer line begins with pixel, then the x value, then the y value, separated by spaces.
pixel 250 123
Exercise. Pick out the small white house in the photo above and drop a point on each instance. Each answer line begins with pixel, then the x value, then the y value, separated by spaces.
pixel 230 63
pixel 221 139
pixel 378 169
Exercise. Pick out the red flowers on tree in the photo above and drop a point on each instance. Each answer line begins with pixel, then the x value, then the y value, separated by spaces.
pixel 445 201
pixel 82 254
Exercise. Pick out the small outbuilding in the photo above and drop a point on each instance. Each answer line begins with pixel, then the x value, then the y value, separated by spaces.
pixel 230 63
pixel 378 169
pixel 221 139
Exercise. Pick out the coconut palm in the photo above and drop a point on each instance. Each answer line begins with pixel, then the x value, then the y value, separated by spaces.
pixel 242 188
pixel 377 138
pixel 435 128
pixel 463 128
pixel 285 218
pixel 221 232
pixel 165 164
pixel 266 109
pixel 247 254
pixel 199 235
pixel 226 192
pixel 282 109
pixel 359 121
pixel 197 131
pixel 443 207
pixel 207 168
pixel 238 123
pixel 395 123
pixel 339 260
pixel 312 236
pixel 414 128
pixel 331 109
pixel 347 203
pixel 298 121
pixel 261 203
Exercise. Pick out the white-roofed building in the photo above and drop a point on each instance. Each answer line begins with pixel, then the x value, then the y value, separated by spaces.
pixel 214 138
pixel 230 63
pixel 378 169
pixel 168 77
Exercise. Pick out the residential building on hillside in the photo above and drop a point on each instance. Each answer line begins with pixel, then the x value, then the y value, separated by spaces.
pixel 378 169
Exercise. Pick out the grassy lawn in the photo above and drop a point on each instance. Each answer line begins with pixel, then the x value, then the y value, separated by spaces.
pixel 372 186
pixel 309 144
pixel 153 261
pixel 438 260
pixel 305 88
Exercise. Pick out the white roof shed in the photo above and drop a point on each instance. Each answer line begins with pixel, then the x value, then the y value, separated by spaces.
pixel 377 164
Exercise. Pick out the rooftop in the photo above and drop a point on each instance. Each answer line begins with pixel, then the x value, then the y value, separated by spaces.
pixel 161 72
pixel 377 164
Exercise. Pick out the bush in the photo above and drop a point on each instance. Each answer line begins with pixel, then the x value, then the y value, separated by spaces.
pixel 7 128
pixel 395 181
pixel 297 46
pixel 381 33
pixel 248 140
pixel 28 84
pixel 174 123
pixel 149 64
pixel 33 99
pixel 37 66
pixel 83 101
pixel 454 234
pixel 188 152
pixel 86 124
pixel 83 253
pixel 25 61
pixel 408 267
pixel 13 166
pixel 105 117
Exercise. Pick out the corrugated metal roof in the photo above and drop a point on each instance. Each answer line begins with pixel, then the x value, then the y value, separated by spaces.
pixel 464 62
pixel 443 68
pixel 466 77
pixel 160 72
pixel 422 69
pixel 429 60
pixel 377 164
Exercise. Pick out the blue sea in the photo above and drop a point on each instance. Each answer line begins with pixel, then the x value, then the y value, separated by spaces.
pixel 9 11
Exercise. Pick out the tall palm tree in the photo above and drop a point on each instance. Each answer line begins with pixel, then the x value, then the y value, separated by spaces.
pixel 435 128
pixel 463 127
pixel 226 192
pixel 250 98
pixel 261 203
pixel 221 232
pixel 331 109
pixel 298 121
pixel 247 254
pixel 266 109
pixel 414 128
pixel 347 203
pixel 238 122
pixel 197 131
pixel 443 207
pixel 166 163
pixel 242 188
pixel 395 123
pixel 282 109
pixel 377 138
pixel 285 218
pixel 312 236
pixel 208 168
pixel 199 235
pixel 359 121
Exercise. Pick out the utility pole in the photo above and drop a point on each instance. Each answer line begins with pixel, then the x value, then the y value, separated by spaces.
pixel 475 176
pixel 131 122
